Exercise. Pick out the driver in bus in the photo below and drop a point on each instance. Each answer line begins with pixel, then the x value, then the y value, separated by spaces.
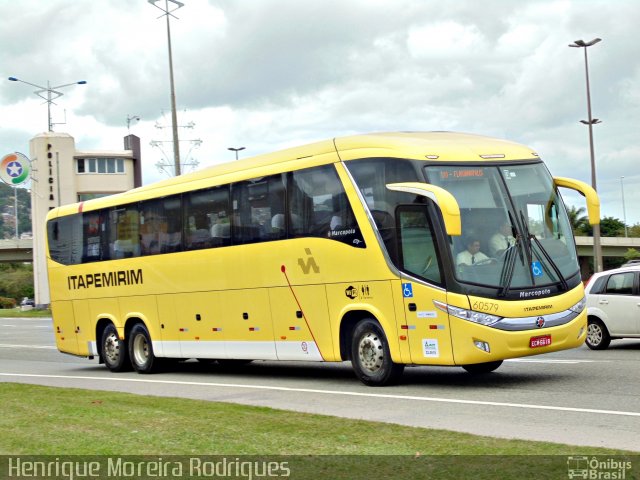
pixel 472 255
pixel 501 240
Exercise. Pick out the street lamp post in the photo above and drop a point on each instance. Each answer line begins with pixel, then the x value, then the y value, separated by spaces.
pixel 624 210
pixel 50 92
pixel 590 122
pixel 174 115
pixel 236 150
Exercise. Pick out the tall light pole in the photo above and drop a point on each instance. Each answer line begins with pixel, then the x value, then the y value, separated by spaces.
pixel 174 115
pixel 590 122
pixel 624 210
pixel 51 94
pixel 239 149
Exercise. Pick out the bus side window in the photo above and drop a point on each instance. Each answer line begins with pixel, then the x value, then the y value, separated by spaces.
pixel 257 204
pixel 319 207
pixel 170 239
pixel 160 225
pixel 219 217
pixel 418 251
pixel 65 239
pixel 124 233
pixel 94 226
pixel 201 208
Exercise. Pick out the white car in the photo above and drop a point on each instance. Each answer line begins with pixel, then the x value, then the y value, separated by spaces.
pixel 613 306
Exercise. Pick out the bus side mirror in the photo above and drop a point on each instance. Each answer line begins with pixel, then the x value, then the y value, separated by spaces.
pixel 590 195
pixel 444 200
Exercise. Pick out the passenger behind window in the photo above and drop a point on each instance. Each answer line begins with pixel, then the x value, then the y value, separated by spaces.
pixel 501 240
pixel 221 230
pixel 472 255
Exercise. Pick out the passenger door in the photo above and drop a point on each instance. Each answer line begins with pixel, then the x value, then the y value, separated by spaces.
pixel 621 303
pixel 427 328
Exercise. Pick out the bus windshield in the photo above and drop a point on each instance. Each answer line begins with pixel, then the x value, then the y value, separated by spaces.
pixel 515 230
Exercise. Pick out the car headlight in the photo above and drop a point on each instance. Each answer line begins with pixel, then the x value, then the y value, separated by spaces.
pixel 470 315
pixel 578 307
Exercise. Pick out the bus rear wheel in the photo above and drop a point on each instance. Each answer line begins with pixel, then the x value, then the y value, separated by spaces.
pixel 113 350
pixel 370 355
pixel 141 350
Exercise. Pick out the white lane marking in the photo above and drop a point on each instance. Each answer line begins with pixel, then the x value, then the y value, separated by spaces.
pixel 334 392
pixel 552 360
pixel 47 347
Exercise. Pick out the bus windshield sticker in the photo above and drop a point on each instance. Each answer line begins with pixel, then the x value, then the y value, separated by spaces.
pixel 536 269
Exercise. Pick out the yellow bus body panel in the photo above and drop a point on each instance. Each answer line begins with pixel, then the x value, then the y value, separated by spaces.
pixel 287 299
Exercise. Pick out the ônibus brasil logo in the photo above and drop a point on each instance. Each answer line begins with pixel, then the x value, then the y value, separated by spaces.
pixel 14 169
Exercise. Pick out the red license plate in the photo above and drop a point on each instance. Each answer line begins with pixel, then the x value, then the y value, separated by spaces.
pixel 541 341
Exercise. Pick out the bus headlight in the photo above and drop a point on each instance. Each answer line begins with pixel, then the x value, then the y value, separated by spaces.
pixel 470 315
pixel 579 307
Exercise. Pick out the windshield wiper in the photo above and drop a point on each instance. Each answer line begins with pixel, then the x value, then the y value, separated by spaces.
pixel 510 254
pixel 561 279
pixel 527 247
pixel 545 254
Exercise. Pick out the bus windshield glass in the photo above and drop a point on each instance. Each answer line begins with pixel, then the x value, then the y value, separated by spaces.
pixel 515 230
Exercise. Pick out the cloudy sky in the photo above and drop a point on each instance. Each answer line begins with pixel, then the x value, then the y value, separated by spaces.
pixel 269 74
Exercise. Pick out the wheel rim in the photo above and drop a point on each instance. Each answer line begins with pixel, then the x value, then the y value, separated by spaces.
pixel 112 348
pixel 594 334
pixel 140 350
pixel 370 352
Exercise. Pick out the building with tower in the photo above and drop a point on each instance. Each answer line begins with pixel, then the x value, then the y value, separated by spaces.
pixel 61 174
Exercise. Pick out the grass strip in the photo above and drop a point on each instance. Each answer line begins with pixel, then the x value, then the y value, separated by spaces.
pixel 56 421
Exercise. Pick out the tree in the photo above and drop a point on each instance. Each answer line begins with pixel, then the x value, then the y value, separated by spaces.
pixel 578 220
pixel 634 230
pixel 609 227
pixel 631 254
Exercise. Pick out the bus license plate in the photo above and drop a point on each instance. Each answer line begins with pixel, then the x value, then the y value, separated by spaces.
pixel 541 341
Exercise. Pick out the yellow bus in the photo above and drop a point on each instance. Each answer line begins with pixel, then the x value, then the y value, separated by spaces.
pixel 353 249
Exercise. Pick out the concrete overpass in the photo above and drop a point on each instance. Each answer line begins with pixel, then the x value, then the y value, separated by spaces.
pixel 611 246
pixel 16 250
pixel 22 250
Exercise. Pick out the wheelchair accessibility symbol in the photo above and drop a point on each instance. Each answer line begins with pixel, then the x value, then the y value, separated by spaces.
pixel 407 290
pixel 536 269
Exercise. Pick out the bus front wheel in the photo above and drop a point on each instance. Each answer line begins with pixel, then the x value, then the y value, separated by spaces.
pixel 141 350
pixel 113 350
pixel 370 355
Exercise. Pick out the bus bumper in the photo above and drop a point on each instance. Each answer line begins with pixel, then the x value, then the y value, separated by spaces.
pixel 474 343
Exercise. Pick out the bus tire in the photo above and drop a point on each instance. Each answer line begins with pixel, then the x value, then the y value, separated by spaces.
pixel 370 355
pixel 479 368
pixel 141 350
pixel 598 337
pixel 113 350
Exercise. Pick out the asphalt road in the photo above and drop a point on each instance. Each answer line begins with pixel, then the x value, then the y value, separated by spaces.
pixel 578 397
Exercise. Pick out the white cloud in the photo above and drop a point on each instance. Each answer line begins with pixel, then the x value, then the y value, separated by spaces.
pixel 448 41
pixel 267 74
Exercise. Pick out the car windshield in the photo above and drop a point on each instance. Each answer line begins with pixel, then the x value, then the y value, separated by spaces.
pixel 515 230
